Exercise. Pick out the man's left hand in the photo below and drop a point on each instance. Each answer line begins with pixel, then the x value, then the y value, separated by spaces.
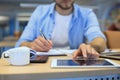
pixel 86 51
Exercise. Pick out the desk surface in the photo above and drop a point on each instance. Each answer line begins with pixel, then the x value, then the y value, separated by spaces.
pixel 36 71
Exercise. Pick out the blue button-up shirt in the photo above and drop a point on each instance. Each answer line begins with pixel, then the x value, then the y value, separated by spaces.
pixel 84 25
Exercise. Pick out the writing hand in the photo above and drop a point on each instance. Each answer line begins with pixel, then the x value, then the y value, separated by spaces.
pixel 41 44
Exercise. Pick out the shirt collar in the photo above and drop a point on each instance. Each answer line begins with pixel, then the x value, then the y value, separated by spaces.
pixel 52 11
pixel 75 11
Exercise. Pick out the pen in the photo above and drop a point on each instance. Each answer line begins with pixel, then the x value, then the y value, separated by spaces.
pixel 43 36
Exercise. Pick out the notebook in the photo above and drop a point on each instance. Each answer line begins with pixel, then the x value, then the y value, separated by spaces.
pixel 56 52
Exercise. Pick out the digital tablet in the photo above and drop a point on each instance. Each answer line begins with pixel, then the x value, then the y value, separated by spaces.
pixel 83 63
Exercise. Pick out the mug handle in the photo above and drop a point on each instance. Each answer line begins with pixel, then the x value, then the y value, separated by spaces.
pixel 5 55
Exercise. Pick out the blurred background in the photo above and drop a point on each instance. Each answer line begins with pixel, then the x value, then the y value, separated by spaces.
pixel 14 15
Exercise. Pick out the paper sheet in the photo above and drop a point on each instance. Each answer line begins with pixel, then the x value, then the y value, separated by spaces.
pixel 56 52
pixel 109 50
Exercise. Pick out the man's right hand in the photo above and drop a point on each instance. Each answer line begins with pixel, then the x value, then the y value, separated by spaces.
pixel 39 44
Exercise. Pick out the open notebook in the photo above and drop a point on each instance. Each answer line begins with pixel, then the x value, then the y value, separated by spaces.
pixel 56 52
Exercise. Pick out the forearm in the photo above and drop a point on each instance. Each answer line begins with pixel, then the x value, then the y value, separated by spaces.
pixel 39 44
pixel 99 44
pixel 27 44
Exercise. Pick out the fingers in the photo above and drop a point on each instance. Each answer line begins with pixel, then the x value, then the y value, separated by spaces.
pixel 92 53
pixel 45 42
pixel 75 54
pixel 86 51
pixel 50 43
pixel 38 48
pixel 95 54
pixel 41 44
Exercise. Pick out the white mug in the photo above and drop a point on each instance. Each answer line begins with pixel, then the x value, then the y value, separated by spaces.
pixel 17 56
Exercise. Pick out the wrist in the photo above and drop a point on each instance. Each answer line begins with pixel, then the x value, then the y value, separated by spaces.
pixel 28 44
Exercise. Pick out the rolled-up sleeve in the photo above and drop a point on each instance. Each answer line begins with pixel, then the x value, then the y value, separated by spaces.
pixel 29 31
pixel 92 29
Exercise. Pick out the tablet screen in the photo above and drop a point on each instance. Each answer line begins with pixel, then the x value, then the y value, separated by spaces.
pixel 89 62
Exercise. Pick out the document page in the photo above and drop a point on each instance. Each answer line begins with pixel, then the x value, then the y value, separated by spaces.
pixel 56 52
pixel 109 50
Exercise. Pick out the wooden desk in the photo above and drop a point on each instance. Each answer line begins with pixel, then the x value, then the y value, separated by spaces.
pixel 44 71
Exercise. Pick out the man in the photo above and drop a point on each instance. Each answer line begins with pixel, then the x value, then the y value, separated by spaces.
pixel 64 24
